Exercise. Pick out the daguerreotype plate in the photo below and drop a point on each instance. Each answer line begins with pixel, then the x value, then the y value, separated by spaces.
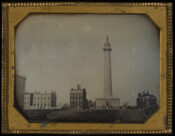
pixel 87 68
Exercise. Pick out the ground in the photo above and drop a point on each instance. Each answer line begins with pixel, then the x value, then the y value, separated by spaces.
pixel 94 115
pixel 90 115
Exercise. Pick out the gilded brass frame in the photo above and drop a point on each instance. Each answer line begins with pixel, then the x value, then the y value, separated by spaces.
pixel 160 13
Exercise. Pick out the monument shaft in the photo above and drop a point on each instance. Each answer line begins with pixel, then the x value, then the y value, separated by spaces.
pixel 108 101
pixel 107 70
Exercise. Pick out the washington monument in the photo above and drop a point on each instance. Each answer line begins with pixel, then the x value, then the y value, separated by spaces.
pixel 107 101
pixel 107 69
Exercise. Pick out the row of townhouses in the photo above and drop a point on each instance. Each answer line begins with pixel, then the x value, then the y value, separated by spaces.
pixel 47 100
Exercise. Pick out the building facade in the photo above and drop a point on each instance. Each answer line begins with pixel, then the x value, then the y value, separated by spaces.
pixel 91 104
pixel 78 98
pixel 27 100
pixel 146 101
pixel 19 91
pixel 39 100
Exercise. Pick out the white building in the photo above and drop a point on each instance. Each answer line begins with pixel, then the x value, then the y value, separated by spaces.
pixel 39 100
pixel 27 100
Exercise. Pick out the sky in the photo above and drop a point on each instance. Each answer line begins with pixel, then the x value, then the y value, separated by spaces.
pixel 58 51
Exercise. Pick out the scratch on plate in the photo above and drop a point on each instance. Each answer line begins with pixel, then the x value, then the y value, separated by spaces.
pixel 165 120
pixel 43 124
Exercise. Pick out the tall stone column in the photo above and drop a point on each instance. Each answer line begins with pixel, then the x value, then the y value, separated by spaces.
pixel 107 69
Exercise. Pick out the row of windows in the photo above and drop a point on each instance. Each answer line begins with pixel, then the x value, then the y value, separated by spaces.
pixel 38 98
pixel 27 97
pixel 41 98
pixel 41 104
pixel 26 102
pixel 42 107
pixel 150 100
pixel 76 95
pixel 75 103
pixel 39 107
pixel 76 100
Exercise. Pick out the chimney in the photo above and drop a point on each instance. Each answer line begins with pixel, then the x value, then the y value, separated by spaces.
pixel 78 86
pixel 147 92
pixel 139 95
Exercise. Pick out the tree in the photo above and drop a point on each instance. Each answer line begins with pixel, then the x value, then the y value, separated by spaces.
pixel 65 106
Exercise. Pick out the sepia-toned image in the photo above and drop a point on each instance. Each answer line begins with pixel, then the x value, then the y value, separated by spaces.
pixel 87 68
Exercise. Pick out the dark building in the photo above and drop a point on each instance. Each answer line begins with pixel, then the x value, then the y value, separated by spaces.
pixel 146 101
pixel 53 99
pixel 91 104
pixel 78 98
pixel 19 91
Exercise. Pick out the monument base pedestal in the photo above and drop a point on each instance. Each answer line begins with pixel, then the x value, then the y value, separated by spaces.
pixel 107 103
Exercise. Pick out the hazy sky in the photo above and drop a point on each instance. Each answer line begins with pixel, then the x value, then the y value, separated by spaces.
pixel 58 51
